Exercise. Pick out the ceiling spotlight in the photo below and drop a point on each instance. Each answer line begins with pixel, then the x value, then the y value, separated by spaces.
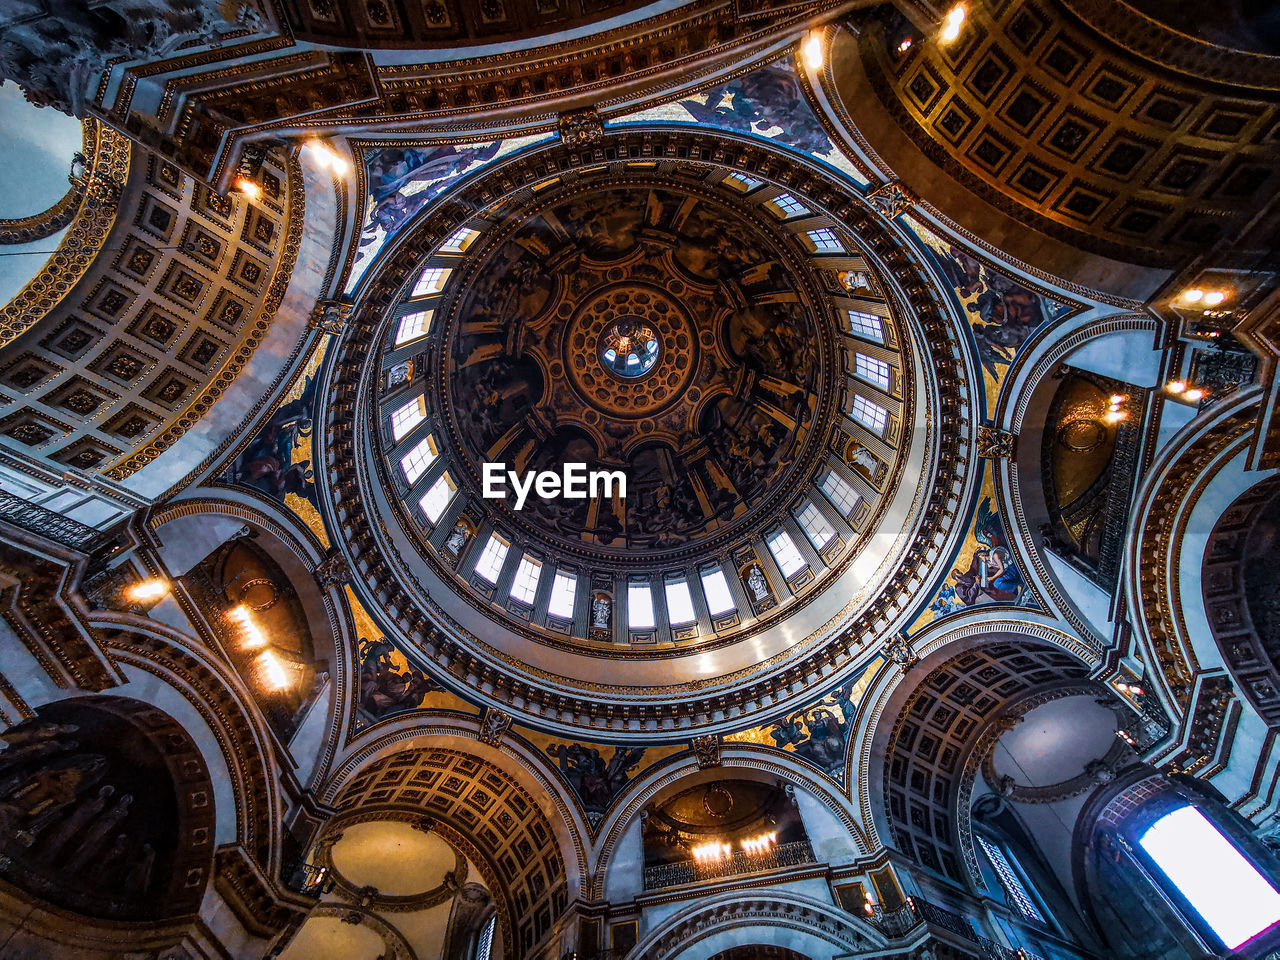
pixel 1176 386
pixel 812 51
pixel 905 45
pixel 1215 297
pixel 326 156
pixel 1115 416
pixel 760 844
pixel 1194 394
pixel 1118 398
pixel 273 672
pixel 147 591
pixel 247 187
pixel 252 633
pixel 951 25
pixel 711 851
pixel 1194 295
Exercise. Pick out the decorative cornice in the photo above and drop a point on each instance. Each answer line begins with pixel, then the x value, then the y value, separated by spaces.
pixel 108 167
pixel 1150 40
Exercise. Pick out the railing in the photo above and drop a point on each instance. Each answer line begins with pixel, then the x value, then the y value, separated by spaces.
pixel 898 923
pixel 45 523
pixel 691 871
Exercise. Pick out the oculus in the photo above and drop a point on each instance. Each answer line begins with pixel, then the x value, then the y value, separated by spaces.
pixel 629 349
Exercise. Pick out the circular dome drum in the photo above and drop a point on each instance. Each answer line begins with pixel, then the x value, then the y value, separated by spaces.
pixel 745 352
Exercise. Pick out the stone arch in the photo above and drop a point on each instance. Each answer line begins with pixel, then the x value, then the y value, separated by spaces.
pixel 484 812
pixel 717 923
pixel 1240 589
pixel 758 951
pixel 213 520
pixel 1193 481
pixel 922 767
pixel 884 698
pixel 511 754
pixel 735 760
pixel 184 678
pixel 397 948
pixel 1081 594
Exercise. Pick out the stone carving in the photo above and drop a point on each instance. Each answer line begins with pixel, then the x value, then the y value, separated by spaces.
pixel 333 570
pixel 457 539
pixel 707 750
pixel 601 615
pixel 891 199
pixel 994 443
pixel 758 589
pixel 898 649
pixel 494 724
pixel 55 59
pixel 866 462
pixel 581 128
pixel 400 374
pixel 330 316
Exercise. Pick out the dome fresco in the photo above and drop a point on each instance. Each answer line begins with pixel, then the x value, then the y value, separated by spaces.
pixel 639 480
pixel 729 407
pixel 761 449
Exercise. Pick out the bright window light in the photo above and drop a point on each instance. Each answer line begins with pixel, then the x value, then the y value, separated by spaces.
pixel 563 591
pixel 788 206
pixel 639 606
pixel 525 585
pixel 421 456
pixel 816 527
pixel 680 602
pixel 784 551
pixel 742 181
pixel 870 415
pixel 867 325
pixel 826 241
pixel 871 370
pixel 405 418
pixel 413 326
pixel 490 563
pixel 437 498
pixel 460 240
pixel 1235 900
pixel 842 496
pixel 716 589
pixel 1009 879
pixel 431 281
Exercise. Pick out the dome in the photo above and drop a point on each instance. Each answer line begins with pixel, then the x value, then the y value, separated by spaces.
pixel 668 333
pixel 746 358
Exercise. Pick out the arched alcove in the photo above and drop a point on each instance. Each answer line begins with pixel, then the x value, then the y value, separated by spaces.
pixel 1241 586
pixel 107 811
pixel 944 710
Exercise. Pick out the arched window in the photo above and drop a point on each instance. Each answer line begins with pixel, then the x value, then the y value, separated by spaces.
pixel 484 942
pixel 1228 893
